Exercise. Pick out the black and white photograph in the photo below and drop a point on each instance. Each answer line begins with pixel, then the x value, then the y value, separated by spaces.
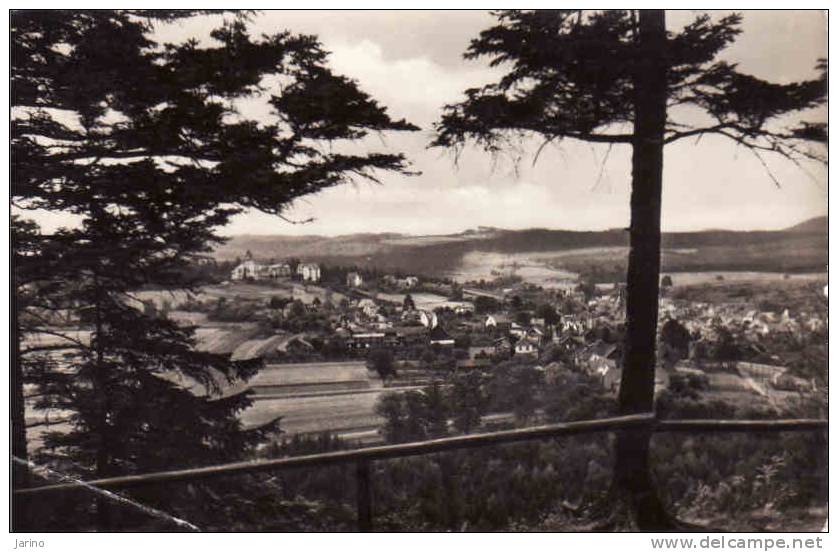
pixel 554 271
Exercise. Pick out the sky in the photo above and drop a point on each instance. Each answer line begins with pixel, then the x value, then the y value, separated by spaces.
pixel 411 62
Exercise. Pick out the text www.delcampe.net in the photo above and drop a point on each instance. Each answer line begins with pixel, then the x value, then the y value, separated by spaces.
pixel 740 543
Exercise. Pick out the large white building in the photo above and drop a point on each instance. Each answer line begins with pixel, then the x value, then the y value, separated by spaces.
pixel 310 272
pixel 248 270
pixel 281 270
pixel 251 270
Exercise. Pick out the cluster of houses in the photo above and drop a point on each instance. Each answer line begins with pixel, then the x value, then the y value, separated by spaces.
pixel 476 341
pixel 705 319
pixel 590 332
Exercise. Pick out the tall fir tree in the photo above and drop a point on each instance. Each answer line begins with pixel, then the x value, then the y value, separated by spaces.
pixel 620 78
pixel 145 145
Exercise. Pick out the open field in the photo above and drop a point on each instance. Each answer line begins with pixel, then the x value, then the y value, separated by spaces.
pixel 422 300
pixel 315 397
pixel 306 293
pixel 240 290
pixel 310 398
pixel 313 414
pixel 488 265
pixel 314 373
pixel 162 296
pixel 698 278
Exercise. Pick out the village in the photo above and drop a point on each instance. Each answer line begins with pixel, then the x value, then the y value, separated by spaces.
pixel 429 270
pixel 333 340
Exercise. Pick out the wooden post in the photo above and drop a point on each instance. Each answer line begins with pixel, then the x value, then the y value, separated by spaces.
pixel 363 491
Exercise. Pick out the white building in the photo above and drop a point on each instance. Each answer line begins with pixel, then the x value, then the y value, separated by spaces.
pixel 353 279
pixel 517 330
pixel 248 270
pixel 428 319
pixel 368 306
pixel 464 308
pixel 281 270
pixel 310 272
pixel 495 320
pixel 526 347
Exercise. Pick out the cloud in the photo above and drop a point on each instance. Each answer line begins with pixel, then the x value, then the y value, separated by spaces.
pixel 415 86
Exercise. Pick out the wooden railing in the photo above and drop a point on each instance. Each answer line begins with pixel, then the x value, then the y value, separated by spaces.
pixel 365 456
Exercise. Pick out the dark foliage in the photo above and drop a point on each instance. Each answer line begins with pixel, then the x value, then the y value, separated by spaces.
pixel 143 142
pixel 618 77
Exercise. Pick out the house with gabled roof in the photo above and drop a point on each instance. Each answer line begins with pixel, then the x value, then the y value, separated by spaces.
pixel 498 322
pixel 526 347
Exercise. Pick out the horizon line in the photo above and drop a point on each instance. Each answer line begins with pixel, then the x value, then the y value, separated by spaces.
pixel 481 228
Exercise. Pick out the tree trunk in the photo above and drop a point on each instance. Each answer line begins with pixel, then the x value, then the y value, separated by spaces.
pixel 100 388
pixel 632 477
pixel 20 471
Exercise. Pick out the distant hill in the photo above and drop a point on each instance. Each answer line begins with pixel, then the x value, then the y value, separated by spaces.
pixel 817 225
pixel 800 248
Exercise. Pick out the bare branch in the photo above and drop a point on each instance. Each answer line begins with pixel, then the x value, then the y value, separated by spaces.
pixel 765 166
pixel 291 221
pixel 541 148
pixel 602 166
pixel 56 334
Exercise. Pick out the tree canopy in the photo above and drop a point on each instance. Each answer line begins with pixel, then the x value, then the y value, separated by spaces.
pixel 90 89
pixel 571 72
pixel 619 77
pixel 149 147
